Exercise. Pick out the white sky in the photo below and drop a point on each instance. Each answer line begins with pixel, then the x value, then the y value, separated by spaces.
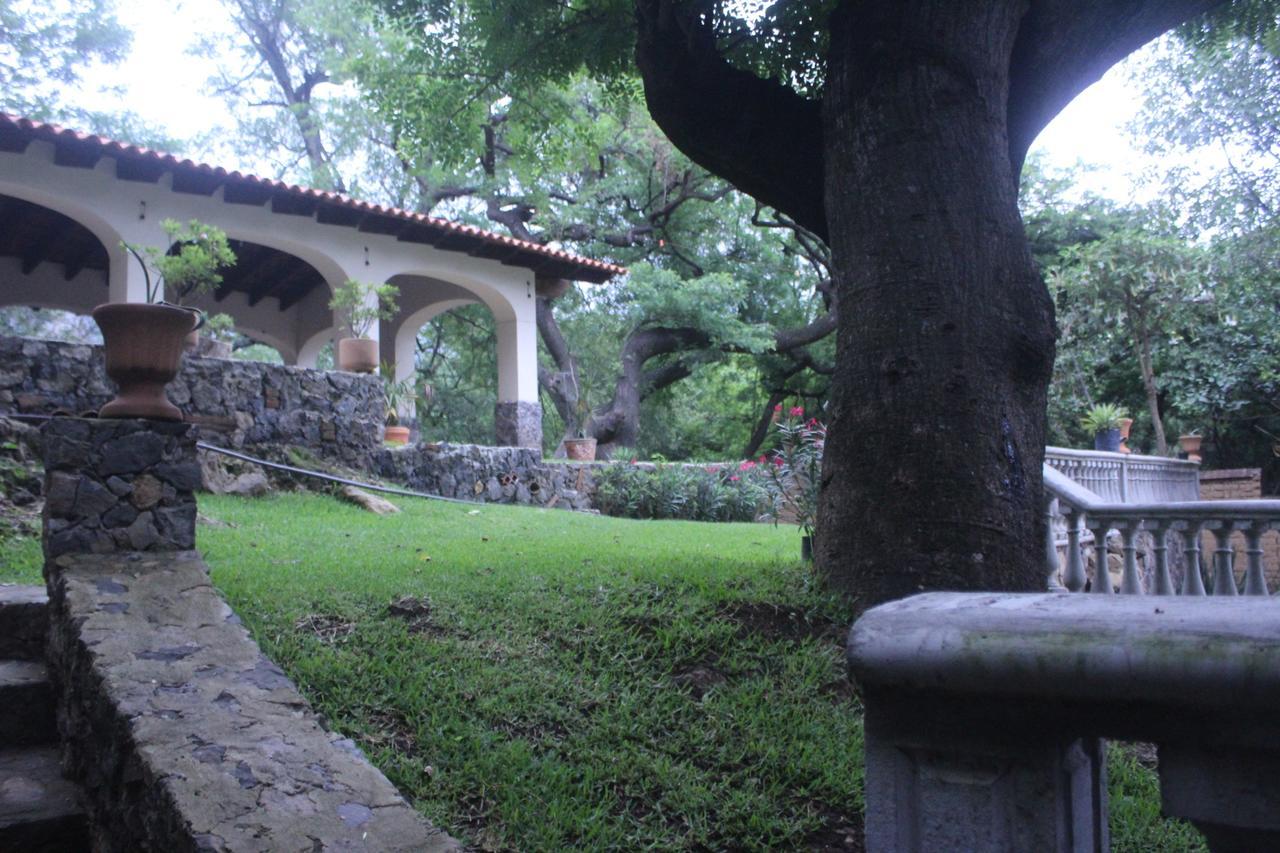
pixel 165 85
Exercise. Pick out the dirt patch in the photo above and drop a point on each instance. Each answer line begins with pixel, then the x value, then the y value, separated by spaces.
pixel 475 819
pixel 781 622
pixel 699 679
pixel 417 614
pixel 391 730
pixel 839 833
pixel 326 627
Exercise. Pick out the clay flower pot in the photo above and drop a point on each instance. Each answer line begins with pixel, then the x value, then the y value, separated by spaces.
pixel 1190 445
pixel 1126 424
pixel 357 355
pixel 580 449
pixel 143 345
pixel 396 434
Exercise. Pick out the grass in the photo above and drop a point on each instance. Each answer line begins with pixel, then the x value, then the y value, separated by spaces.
pixel 538 680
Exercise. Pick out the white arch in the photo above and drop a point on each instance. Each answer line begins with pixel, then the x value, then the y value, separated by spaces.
pixel 260 337
pixel 309 352
pixel 500 302
pixel 105 231
pixel 406 333
pixel 329 268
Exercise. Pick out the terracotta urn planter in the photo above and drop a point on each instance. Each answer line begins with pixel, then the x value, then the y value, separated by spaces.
pixel 580 449
pixel 357 355
pixel 143 345
pixel 1190 445
pixel 396 434
pixel 1126 424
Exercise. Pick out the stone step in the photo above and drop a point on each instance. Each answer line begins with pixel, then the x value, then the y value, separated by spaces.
pixel 40 812
pixel 22 622
pixel 26 704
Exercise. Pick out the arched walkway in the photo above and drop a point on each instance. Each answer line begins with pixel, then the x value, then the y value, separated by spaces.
pixel 291 241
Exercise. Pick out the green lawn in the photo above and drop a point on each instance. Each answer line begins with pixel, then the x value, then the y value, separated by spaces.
pixel 564 680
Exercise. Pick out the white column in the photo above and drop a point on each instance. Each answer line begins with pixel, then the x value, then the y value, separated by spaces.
pixel 517 361
pixel 518 415
pixel 126 280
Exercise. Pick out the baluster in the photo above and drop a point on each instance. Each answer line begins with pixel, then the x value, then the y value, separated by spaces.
pixel 1192 581
pixel 1101 577
pixel 1255 580
pixel 1131 583
pixel 1075 578
pixel 1160 539
pixel 1050 548
pixel 1224 579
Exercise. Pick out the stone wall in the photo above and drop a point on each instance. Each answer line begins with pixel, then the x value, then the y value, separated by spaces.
pixel 490 474
pixel 182 733
pixel 241 404
pixel 1234 484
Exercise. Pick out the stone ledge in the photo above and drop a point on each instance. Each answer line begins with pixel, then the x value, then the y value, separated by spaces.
pixel 187 737
pixel 1206 652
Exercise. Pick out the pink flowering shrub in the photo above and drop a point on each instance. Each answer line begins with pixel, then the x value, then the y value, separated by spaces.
pixel 692 492
pixel 794 469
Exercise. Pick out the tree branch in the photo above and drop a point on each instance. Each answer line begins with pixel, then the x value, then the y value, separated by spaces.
pixel 757 134
pixel 1064 46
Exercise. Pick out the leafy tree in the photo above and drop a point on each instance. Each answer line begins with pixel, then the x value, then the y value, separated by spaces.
pixel 574 162
pixel 895 132
pixel 1212 103
pixel 47 47
pixel 46 50
pixel 1138 285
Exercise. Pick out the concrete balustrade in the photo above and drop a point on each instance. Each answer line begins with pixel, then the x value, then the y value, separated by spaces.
pixel 1171 524
pixel 985 714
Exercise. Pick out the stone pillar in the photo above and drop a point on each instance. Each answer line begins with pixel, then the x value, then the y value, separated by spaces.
pixel 118 485
pixel 518 424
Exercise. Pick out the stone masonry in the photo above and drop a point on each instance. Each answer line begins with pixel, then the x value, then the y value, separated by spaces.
pixel 182 733
pixel 114 485
pixel 518 424
pixel 490 474
pixel 240 404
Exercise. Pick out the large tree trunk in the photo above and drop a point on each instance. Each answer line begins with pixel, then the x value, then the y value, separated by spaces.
pixel 932 475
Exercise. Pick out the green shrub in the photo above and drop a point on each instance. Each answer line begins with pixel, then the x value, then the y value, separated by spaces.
pixel 689 492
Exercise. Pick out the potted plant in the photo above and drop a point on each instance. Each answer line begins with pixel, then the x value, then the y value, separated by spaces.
pixel 143 342
pixel 1190 444
pixel 580 449
pixel 1103 421
pixel 396 393
pixel 358 305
